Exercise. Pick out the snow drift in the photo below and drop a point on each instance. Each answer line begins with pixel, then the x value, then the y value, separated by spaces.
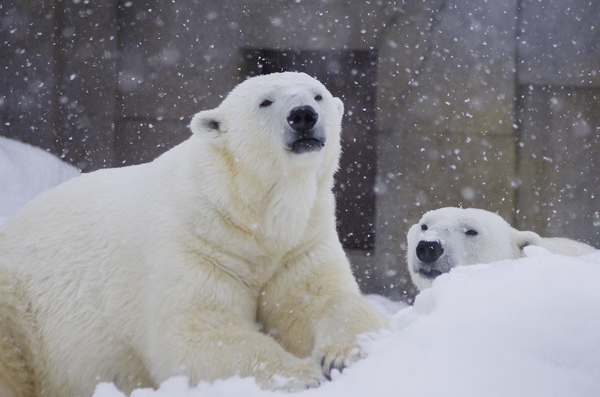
pixel 524 327
pixel 25 172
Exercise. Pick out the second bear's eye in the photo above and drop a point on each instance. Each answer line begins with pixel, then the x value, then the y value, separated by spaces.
pixel 266 103
pixel 423 227
pixel 471 232
pixel 318 97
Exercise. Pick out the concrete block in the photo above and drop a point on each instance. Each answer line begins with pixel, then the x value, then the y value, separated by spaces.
pixel 176 58
pixel 141 141
pixel 86 77
pixel 558 191
pixel 559 43
pixel 456 74
pixel 27 80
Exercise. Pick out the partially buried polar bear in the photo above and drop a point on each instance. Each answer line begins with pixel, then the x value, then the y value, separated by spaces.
pixel 449 237
pixel 219 258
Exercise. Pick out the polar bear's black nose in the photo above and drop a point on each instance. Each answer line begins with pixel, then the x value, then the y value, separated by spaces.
pixel 429 251
pixel 302 118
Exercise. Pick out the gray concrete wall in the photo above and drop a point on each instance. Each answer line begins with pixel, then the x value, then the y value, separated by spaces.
pixel 447 121
pixel 28 106
pixel 559 119
pixel 487 104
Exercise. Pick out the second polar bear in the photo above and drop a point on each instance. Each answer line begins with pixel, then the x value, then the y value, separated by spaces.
pixel 449 237
pixel 219 258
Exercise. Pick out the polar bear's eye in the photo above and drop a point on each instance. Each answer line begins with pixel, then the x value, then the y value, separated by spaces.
pixel 423 227
pixel 266 103
pixel 318 97
pixel 471 232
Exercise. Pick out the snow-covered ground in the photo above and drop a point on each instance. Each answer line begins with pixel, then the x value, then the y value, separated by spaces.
pixel 526 327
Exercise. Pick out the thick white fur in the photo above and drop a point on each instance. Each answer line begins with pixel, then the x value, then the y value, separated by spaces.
pixel 219 258
pixel 495 240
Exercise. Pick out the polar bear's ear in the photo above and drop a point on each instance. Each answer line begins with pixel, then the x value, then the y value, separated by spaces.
pixel 523 239
pixel 207 122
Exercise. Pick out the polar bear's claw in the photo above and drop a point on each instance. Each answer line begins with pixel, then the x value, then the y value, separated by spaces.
pixel 329 364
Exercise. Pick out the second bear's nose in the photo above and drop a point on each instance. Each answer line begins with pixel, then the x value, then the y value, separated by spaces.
pixel 429 251
pixel 302 118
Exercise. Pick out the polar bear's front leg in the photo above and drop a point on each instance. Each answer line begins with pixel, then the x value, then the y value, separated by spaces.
pixel 218 345
pixel 314 309
pixel 346 316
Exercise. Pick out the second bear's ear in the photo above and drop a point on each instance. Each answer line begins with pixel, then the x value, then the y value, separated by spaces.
pixel 523 239
pixel 207 122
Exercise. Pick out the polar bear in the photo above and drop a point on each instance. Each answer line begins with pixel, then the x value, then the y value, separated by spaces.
pixel 449 237
pixel 219 258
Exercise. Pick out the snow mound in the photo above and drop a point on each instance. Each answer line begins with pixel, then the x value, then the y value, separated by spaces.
pixel 385 305
pixel 25 172
pixel 525 327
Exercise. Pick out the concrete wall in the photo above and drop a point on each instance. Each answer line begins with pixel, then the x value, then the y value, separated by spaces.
pixel 558 99
pixel 447 121
pixel 487 104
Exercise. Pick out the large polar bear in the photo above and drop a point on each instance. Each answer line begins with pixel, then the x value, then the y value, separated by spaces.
pixel 219 258
pixel 449 237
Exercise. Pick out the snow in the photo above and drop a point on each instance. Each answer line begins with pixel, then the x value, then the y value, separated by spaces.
pixel 385 305
pixel 430 235
pixel 25 172
pixel 525 327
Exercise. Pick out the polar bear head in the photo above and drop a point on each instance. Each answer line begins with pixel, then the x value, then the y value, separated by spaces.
pixel 449 237
pixel 289 119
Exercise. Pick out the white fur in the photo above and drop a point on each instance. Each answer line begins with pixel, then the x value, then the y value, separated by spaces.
pixel 219 258
pixel 495 240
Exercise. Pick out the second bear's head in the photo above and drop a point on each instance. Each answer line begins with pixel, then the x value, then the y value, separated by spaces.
pixel 289 117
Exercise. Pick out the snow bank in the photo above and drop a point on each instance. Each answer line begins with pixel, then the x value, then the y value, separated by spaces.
pixel 526 327
pixel 25 172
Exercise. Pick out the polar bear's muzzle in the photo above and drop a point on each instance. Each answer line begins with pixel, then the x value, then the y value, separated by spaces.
pixel 304 134
pixel 428 253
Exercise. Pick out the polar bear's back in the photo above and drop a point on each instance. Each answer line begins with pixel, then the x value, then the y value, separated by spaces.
pixel 72 231
pixel 81 204
pixel 565 246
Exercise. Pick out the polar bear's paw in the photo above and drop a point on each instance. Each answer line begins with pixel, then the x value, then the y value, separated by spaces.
pixel 337 356
pixel 301 376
